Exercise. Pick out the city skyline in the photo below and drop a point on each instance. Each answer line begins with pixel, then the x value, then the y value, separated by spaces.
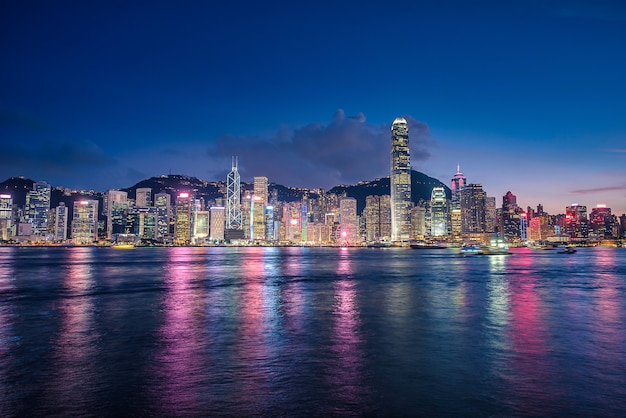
pixel 527 98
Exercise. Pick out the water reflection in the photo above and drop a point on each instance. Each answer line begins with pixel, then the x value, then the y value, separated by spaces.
pixel 346 373
pixel 8 337
pixel 180 362
pixel 75 378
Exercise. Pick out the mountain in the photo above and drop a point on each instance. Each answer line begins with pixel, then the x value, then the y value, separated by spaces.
pixel 421 189
pixel 17 187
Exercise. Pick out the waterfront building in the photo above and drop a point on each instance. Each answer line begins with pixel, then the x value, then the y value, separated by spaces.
pixel 438 212
pixel 163 210
pixel 458 183
pixel 85 222
pixel 377 214
pixel 576 222
pixel 539 228
pixel 233 198
pixel 418 223
pixel 348 221
pixel 293 222
pixel 6 217
pixel 269 223
pixel 117 206
pixel 473 211
pixel 491 218
pixel 143 197
pixel 38 207
pixel 182 224
pixel 146 222
pixel 60 222
pixel 400 181
pixel 601 222
pixel 200 226
pixel 510 217
pixel 259 203
pixel 217 219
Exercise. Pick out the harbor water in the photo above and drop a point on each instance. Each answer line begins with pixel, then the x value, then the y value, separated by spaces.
pixel 260 331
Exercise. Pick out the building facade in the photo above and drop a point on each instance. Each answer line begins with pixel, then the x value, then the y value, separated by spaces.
pixel 400 181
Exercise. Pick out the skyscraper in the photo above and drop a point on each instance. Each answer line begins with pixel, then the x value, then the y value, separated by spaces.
pixel 258 209
pixel 458 183
pixel 438 212
pixel 85 222
pixel 182 226
pixel 347 212
pixel 38 207
pixel 6 217
pixel 117 205
pixel 163 210
pixel 216 229
pixel 473 209
pixel 377 218
pixel 143 197
pixel 233 198
pixel 400 181
pixel 576 222
pixel 60 222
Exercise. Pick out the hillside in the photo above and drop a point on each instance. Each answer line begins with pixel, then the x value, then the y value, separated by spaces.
pixel 421 189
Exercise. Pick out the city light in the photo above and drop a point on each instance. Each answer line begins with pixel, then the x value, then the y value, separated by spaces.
pixel 183 195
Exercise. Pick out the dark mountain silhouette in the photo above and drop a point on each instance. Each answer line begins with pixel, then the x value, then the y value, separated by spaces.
pixel 17 187
pixel 421 189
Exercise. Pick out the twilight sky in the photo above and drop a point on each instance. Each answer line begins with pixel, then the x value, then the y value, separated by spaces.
pixel 528 96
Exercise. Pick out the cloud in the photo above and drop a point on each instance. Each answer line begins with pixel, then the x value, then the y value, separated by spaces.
pixel 600 189
pixel 345 150
pixel 52 158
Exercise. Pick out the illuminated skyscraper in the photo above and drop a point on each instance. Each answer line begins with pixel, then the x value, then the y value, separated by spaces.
pixel 200 226
pixel 473 209
pixel 510 217
pixel 377 218
pixel 233 198
pixel 6 217
pixel 143 197
pixel 216 229
pixel 348 221
pixel 458 183
pixel 117 206
pixel 163 210
pixel 85 222
pixel 182 225
pixel 60 222
pixel 601 222
pixel 576 222
pixel 258 209
pixel 438 212
pixel 38 207
pixel 400 181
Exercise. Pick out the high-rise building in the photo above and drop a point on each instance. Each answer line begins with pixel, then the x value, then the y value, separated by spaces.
pixel 6 217
pixel 418 222
pixel 377 218
pixel 490 214
pixel 117 206
pixel 182 225
pixel 143 197
pixel 60 222
pixel 216 228
pixel 400 181
pixel 146 222
pixel 200 226
pixel 438 212
pixel 163 211
pixel 85 222
pixel 233 198
pixel 601 222
pixel 348 221
pixel 576 222
pixel 258 209
pixel 510 217
pixel 473 209
pixel 38 207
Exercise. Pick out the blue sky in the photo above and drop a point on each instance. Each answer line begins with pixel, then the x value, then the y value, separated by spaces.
pixel 528 96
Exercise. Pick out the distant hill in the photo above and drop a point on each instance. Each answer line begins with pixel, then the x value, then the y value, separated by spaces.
pixel 17 187
pixel 421 189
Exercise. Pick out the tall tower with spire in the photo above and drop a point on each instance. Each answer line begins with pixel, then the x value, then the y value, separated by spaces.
pixel 233 197
pixel 458 183
pixel 400 181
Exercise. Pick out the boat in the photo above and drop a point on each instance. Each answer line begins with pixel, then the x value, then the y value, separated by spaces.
pixel 124 246
pixel 423 245
pixel 470 249
pixel 496 246
pixel 568 250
